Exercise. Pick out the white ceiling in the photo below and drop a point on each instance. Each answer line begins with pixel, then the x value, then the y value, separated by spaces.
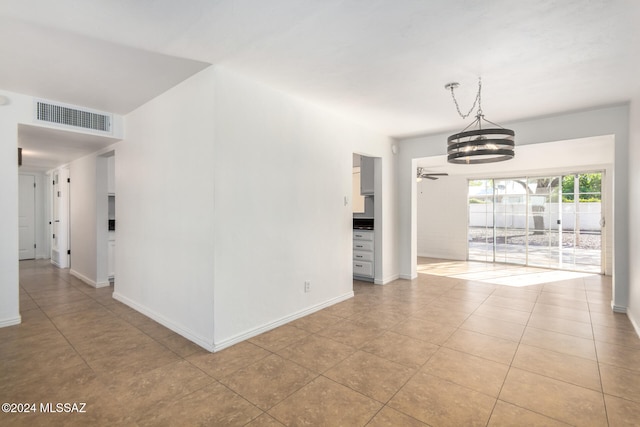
pixel 380 62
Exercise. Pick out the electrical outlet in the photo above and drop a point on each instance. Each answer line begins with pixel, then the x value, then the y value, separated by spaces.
pixel 307 286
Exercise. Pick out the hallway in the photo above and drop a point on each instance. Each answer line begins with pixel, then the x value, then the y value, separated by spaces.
pixel 444 349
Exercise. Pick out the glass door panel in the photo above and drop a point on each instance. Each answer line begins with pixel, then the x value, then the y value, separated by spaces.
pixel 551 222
pixel 480 218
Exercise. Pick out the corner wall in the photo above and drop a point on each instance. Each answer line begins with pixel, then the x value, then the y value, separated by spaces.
pixel 283 168
pixel 633 310
pixel 164 255
pixel 18 109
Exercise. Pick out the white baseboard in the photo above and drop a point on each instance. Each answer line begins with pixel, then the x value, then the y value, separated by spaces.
pixel 386 280
pixel 10 322
pixel 228 342
pixel 618 308
pixel 635 324
pixel 408 276
pixel 88 281
pixel 203 342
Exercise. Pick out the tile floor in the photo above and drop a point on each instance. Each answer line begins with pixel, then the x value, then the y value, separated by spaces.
pixel 457 347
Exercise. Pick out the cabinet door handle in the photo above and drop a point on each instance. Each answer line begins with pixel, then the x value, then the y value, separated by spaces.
pixel 358 256
pixel 358 265
pixel 359 246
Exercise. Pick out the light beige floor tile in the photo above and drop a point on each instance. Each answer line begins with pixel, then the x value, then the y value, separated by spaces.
pixel 407 351
pixel 465 306
pixel 564 367
pixel 510 303
pixel 435 401
pixel 279 338
pixel 265 420
pixel 506 414
pixel 561 343
pixel 388 417
pixel 268 381
pixel 316 322
pixel 482 375
pixel 621 412
pixel 618 355
pixel 381 319
pixel 214 405
pixel 335 405
pixel 620 382
pixel 562 313
pixel 497 328
pixel 229 360
pixel 146 393
pixel 446 316
pixel 553 398
pixel 97 349
pixel 618 336
pixel 370 375
pixel 481 345
pixel 611 319
pixel 180 345
pixel 563 326
pixel 317 353
pixel 351 333
pixel 432 332
pixel 502 313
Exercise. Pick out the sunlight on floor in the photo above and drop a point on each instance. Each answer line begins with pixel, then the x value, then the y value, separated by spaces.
pixel 498 274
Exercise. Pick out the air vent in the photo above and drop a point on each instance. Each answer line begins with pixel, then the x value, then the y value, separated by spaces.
pixel 70 116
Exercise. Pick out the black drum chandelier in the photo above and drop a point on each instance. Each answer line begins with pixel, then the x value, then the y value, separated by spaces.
pixel 477 144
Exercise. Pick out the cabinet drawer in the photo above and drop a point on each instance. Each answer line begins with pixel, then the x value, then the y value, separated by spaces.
pixel 360 245
pixel 362 256
pixel 363 235
pixel 363 268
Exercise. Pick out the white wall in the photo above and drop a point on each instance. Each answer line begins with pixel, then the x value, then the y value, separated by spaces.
pixel 165 215
pixel 442 218
pixel 282 170
pixel 633 310
pixel 16 110
pixel 82 219
pixel 605 121
pixel 230 196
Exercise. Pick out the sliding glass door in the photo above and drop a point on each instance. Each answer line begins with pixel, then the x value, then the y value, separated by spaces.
pixel 549 221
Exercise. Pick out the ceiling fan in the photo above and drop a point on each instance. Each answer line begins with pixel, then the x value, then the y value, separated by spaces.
pixel 422 173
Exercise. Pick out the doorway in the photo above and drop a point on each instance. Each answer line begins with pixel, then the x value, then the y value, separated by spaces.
pixel 545 221
pixel 27 217
pixel 60 253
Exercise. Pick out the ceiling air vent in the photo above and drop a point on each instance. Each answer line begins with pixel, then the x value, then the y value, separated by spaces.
pixel 71 116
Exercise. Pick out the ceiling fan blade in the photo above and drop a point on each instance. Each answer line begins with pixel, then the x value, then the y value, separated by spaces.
pixel 429 177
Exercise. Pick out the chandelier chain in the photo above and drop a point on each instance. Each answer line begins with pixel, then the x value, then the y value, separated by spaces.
pixel 478 101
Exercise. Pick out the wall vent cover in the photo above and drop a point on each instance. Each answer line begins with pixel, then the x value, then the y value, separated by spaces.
pixel 72 116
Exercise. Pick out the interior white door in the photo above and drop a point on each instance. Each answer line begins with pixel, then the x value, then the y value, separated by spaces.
pixel 60 219
pixel 27 217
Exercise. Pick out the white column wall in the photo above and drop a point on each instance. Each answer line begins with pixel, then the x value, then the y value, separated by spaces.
pixel 442 218
pixel 82 219
pixel 282 170
pixel 633 310
pixel 164 257
pixel 17 110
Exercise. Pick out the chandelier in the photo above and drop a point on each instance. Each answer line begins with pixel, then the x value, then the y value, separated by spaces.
pixel 477 144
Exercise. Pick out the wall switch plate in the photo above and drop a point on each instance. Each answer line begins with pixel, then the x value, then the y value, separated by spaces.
pixel 307 286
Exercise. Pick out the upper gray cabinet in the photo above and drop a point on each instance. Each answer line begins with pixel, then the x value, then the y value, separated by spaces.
pixel 366 176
